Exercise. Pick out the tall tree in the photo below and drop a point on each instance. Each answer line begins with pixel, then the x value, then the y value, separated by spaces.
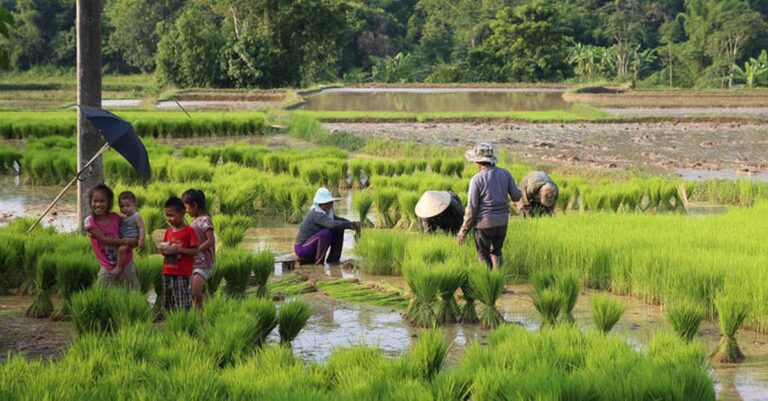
pixel 44 34
pixel 6 22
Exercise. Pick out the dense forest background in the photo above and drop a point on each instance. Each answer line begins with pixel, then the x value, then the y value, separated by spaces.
pixel 279 43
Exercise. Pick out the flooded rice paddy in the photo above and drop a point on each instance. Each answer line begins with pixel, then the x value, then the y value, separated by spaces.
pixel 424 100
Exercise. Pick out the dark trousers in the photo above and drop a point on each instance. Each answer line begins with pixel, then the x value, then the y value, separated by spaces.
pixel 488 242
pixel 315 248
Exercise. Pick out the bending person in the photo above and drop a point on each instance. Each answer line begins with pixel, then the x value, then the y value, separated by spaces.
pixel 488 208
pixel 322 231
pixel 440 210
pixel 539 195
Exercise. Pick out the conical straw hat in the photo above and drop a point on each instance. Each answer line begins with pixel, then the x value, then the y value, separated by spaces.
pixel 432 203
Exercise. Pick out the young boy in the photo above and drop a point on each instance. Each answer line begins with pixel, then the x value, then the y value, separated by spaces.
pixel 131 226
pixel 179 248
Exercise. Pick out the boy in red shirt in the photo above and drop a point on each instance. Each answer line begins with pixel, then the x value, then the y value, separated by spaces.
pixel 179 248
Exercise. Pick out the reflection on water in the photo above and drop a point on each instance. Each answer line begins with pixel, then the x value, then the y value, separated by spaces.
pixel 20 200
pixel 435 102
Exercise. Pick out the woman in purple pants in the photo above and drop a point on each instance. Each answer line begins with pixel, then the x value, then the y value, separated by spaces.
pixel 322 230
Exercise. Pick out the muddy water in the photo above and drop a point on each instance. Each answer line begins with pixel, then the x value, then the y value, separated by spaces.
pixel 652 147
pixel 435 101
pixel 20 200
pixel 337 324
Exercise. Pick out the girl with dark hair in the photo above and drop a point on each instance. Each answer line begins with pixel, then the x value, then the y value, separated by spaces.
pixel 103 227
pixel 194 203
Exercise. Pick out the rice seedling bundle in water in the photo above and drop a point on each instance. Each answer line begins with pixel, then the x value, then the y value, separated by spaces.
pixel 606 312
pixel 732 311
pixel 10 158
pixel 231 337
pixel 548 302
pixel 300 197
pixel 184 322
pixel 543 279
pixel 382 251
pixel 12 271
pixel 263 267
pixel 265 314
pixel 487 287
pixel 149 270
pixel 468 312
pixel 685 318
pixel 362 203
pixel 424 284
pixel 294 315
pixel 407 205
pixel 105 310
pixel 45 280
pixel 427 354
pixel 235 267
pixel 569 287
pixel 74 272
pixel 384 200
pixel 449 277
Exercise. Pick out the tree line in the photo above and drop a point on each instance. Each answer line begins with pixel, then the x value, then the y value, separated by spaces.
pixel 278 43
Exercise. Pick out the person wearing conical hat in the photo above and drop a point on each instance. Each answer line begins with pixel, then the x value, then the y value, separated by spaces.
pixel 488 205
pixel 322 232
pixel 440 211
pixel 539 195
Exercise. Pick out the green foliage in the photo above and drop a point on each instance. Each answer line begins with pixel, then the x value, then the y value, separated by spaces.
pixel 362 203
pixel 548 302
pixel 263 267
pixel 294 315
pixel 487 286
pixel 382 251
pixel 449 277
pixel 606 312
pixel 732 311
pixel 106 310
pixel 685 318
pixel 45 279
pixel 234 265
pixel 183 322
pixel 424 283
pixel 428 353
pixel 74 272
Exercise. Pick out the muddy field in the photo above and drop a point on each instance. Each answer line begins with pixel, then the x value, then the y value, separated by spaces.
pixel 653 147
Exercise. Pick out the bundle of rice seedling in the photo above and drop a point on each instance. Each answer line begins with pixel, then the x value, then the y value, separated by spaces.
pixel 424 285
pixel 74 272
pixel 218 306
pixel 213 283
pixel 104 310
pixel 685 318
pixel 231 337
pixel 235 267
pixel 543 279
pixel 45 279
pixel 149 270
pixel 11 263
pixel 183 321
pixel 427 354
pixel 606 312
pixel 231 229
pixel 487 287
pixel 569 286
pixel 294 315
pixel 382 251
pixel 451 385
pixel 362 203
pixel 407 205
pixel 548 302
pixel 36 246
pixel 468 312
pixel 384 199
pixel 263 266
pixel 449 279
pixel 731 313
pixel 300 197
pixel 265 314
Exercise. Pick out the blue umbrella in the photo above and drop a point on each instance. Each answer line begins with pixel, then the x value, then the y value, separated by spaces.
pixel 120 136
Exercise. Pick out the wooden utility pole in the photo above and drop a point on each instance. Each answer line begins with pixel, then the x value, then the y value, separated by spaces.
pixel 89 140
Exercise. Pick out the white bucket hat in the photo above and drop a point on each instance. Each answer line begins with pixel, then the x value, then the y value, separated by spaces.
pixel 323 195
pixel 483 153
pixel 432 203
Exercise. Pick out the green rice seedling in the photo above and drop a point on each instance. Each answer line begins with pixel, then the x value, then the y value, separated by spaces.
pixel 382 252
pixel 424 284
pixel 263 267
pixel 548 302
pixel 569 286
pixel 685 318
pixel 373 293
pixel 362 203
pixel 383 200
pixel 487 287
pixel 10 157
pixel 468 312
pixel 149 270
pixel 74 272
pixel 731 311
pixel 105 310
pixel 231 337
pixel 218 306
pixel 427 354
pixel 265 315
pixel 436 166
pixel 45 280
pixel 153 220
pixel 606 312
pixel 668 349
pixel 300 197
pixel 290 286
pixel 451 386
pixel 235 267
pixel 231 229
pixel 449 278
pixel 183 322
pixel 543 279
pixel 213 283
pixel 407 205
pixel 294 315
pixel 12 272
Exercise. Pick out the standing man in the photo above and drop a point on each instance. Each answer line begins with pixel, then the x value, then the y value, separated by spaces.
pixel 440 210
pixel 488 206
pixel 539 195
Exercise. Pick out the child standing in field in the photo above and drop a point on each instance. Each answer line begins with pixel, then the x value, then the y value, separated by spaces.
pixel 131 226
pixel 194 202
pixel 179 248
pixel 103 227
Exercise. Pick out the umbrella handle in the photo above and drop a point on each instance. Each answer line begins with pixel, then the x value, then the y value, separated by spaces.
pixel 69 185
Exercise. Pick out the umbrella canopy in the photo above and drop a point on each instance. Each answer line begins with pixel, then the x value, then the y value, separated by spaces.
pixel 120 136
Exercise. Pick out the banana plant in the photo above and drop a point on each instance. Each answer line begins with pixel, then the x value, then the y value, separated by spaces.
pixel 754 70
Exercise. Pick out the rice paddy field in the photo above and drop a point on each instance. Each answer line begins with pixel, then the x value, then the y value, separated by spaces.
pixel 642 286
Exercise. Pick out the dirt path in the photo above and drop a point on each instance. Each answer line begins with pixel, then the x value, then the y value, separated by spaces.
pixel 652 147
pixel 33 338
